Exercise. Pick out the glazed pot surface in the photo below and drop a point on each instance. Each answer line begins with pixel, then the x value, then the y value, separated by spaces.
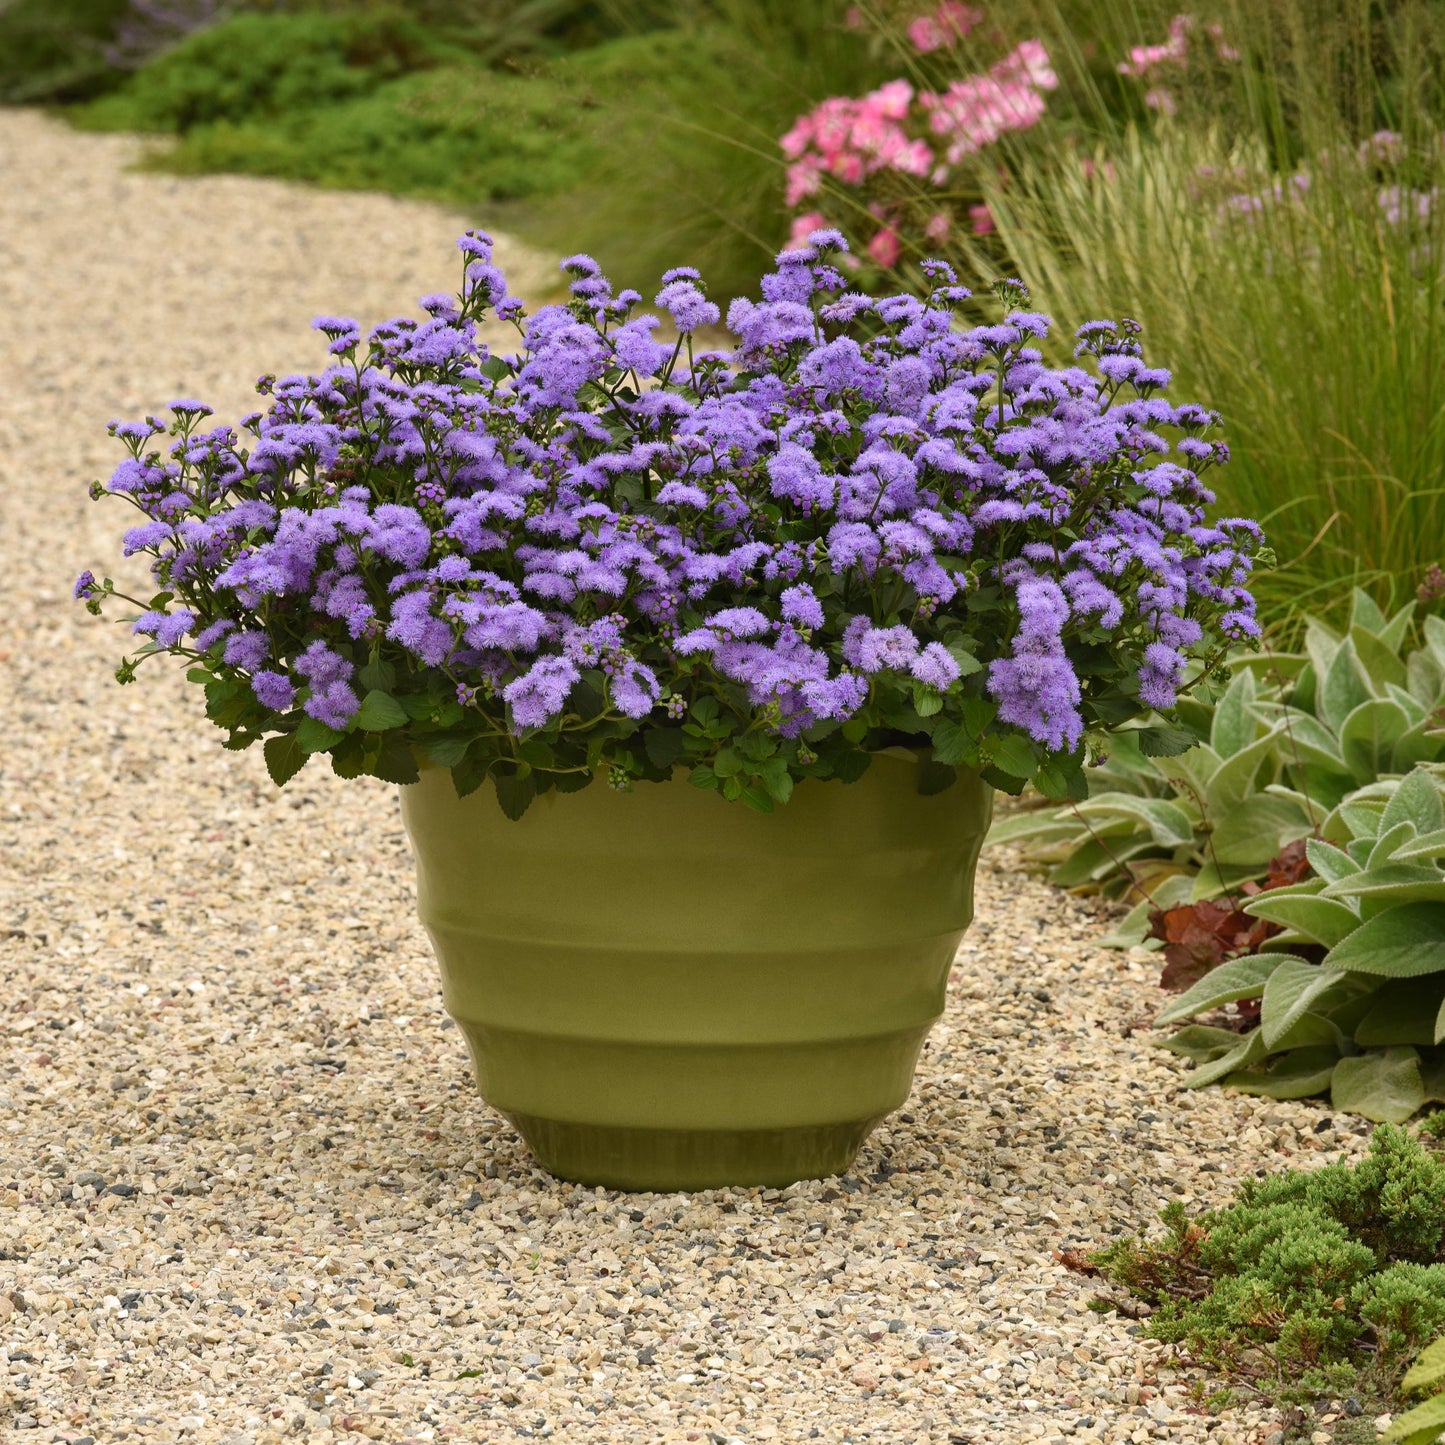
pixel 664 990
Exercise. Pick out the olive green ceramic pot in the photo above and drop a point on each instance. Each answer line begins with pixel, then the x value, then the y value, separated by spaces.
pixel 663 990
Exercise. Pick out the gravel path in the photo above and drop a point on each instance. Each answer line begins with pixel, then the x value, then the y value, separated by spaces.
pixel 246 1189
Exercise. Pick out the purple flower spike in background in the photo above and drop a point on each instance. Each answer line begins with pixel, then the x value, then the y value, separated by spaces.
pixel 870 525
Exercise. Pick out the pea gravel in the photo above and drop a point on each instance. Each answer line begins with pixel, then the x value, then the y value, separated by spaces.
pixel 247 1192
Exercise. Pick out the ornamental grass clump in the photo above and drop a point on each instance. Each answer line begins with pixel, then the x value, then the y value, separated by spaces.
pixel 611 554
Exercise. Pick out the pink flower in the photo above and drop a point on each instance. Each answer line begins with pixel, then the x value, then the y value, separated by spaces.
pixel 945 27
pixel 803 179
pixel 885 247
pixel 803 227
pixel 940 223
pixel 981 219
pixel 893 99
pixel 1160 100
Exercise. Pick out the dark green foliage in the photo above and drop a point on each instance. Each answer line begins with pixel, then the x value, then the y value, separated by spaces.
pixel 647 144
pixel 1324 1281
pixel 257 67
pixel 53 50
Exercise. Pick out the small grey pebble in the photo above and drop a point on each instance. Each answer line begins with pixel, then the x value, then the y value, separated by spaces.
pixel 531 1361
pixel 29 1422
pixel 1353 1407
pixel 88 1177
pixel 647 1355
pixel 123 1190
pixel 896 1327
pixel 472 1200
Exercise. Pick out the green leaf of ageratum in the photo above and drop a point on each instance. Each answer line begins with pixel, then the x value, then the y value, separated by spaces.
pixel 377 675
pixel 1163 741
pixel 396 763
pixel 936 777
pixel 954 745
pixel 926 702
pixel 1427 1371
pixel 284 758
pixel 664 746
pixel 515 790
pixel 378 712
pixel 850 766
pixel 1384 1085
pixel 315 737
pixel 1062 779
pixel 1014 754
pixel 1239 978
pixel 1400 943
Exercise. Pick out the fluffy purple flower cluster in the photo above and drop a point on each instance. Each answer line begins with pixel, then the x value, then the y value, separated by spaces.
pixel 865 505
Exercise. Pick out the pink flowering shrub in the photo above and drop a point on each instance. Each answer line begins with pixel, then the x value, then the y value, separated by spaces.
pixel 944 27
pixel 893 146
pixel 1154 64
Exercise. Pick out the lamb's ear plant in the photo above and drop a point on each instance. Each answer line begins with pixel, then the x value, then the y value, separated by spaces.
pixel 1425 1424
pixel 1293 736
pixel 1310 1283
pixel 1366 1025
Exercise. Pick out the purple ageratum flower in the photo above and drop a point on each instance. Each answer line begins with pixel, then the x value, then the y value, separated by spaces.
pixel 796 475
pixel 412 625
pixel 1036 687
pixel 739 622
pixel 540 694
pixel 854 544
pixel 168 628
pixel 320 665
pixel 208 637
pixel 1037 690
pixel 86 586
pixel 801 606
pixel 682 494
pixel 247 650
pixel 273 690
pixel 342 331
pixel 148 534
pixel 830 698
pixel 935 667
pixel 635 690
pixel 887 648
pixel 1160 676
pixel 334 703
pixel 687 305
